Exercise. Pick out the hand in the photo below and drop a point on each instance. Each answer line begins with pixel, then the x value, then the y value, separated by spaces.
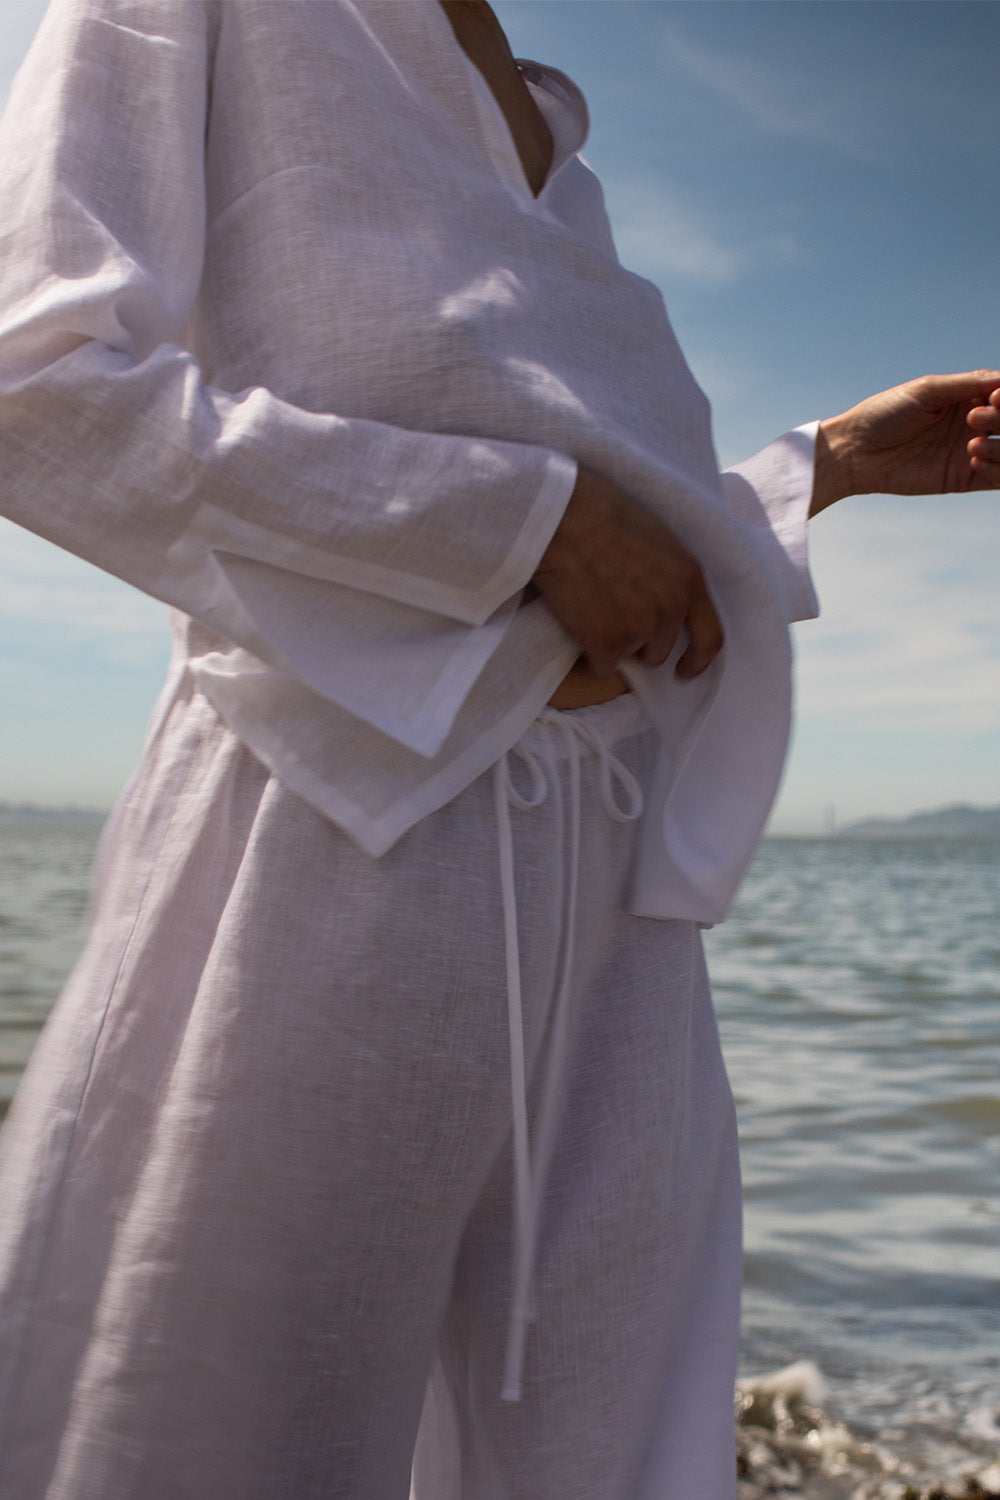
pixel 914 439
pixel 622 585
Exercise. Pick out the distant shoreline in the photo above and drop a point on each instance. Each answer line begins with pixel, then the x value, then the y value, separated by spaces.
pixel 960 822
pixel 890 836
pixel 12 810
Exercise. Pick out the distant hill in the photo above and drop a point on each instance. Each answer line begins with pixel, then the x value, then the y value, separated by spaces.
pixel 958 822
pixel 30 810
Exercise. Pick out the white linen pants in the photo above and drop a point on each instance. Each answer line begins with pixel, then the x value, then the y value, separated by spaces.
pixel 256 1202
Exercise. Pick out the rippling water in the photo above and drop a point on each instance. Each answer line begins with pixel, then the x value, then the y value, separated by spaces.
pixel 44 882
pixel 858 987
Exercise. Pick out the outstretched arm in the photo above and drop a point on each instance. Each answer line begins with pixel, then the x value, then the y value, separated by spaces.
pixel 623 585
pixel 931 436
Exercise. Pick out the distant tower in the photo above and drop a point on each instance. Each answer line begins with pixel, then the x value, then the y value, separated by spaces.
pixel 830 821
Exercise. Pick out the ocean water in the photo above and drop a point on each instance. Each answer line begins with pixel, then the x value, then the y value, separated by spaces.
pixel 45 865
pixel 858 991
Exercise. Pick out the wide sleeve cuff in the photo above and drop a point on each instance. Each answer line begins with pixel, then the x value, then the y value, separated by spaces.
pixel 774 490
pixel 219 532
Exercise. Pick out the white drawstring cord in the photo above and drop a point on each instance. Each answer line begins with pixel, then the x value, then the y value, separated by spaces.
pixel 530 1175
pixel 504 793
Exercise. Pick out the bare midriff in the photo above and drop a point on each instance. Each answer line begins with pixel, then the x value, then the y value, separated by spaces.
pixel 581 687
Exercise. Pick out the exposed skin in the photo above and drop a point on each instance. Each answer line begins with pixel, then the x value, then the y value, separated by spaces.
pixel 482 39
pixel 614 575
pixel 928 437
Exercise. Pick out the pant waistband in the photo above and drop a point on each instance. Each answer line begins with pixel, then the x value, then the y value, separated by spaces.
pixel 609 723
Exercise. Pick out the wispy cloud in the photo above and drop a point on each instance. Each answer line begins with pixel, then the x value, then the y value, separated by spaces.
pixel 19 21
pixel 660 235
pixel 910 637
pixel 781 100
pixel 45 590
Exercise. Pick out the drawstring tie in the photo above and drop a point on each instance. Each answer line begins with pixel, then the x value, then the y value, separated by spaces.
pixel 533 1160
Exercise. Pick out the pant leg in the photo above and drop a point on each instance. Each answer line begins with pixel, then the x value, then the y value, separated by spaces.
pixel 631 1364
pixel 266 1136
pixel 239 1171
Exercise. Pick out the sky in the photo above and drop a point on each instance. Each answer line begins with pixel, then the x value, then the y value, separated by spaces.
pixel 811 184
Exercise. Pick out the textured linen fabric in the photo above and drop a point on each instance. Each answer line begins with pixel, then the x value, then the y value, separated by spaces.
pixel 258 1176
pixel 286 340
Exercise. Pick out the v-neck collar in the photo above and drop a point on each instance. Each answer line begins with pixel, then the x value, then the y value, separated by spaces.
pixel 564 108
pixel 558 98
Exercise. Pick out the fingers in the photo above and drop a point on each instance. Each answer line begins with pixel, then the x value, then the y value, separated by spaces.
pixel 984 455
pixel 622 584
pixel 986 419
pixel 604 661
pixel 652 648
pixel 654 652
pixel 624 631
pixel 706 638
pixel 984 448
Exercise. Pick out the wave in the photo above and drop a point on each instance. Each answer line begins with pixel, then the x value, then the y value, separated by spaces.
pixel 788 1446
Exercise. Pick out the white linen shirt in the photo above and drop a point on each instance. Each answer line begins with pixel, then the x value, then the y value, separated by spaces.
pixel 287 341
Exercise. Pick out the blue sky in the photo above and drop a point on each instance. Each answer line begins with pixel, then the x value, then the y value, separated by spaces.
pixel 810 183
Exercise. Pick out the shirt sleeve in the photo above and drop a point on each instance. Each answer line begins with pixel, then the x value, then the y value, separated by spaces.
pixel 112 443
pixel 772 492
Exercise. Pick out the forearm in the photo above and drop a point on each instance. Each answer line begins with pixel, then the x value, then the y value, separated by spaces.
pixel 112 443
pixel 832 472
pixel 142 469
pixel 934 435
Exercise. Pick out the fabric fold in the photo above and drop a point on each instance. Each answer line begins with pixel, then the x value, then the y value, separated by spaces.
pixel 404 671
pixel 326 395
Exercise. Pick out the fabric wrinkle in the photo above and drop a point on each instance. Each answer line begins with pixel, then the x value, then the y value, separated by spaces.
pixel 396 496
pixel 571 733
pixel 298 365
pixel 310 1037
